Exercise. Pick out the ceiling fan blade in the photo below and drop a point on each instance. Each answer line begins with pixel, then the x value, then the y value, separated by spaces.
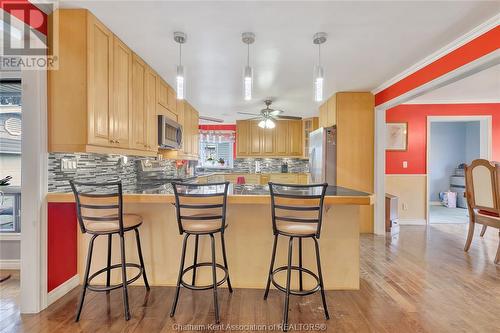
pixel 289 117
pixel 251 114
pixel 215 120
pixel 276 112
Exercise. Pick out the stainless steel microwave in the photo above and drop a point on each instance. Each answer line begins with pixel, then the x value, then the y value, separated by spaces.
pixel 169 133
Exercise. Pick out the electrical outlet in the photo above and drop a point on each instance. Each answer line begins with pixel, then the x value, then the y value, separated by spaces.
pixel 405 164
pixel 405 206
pixel 69 164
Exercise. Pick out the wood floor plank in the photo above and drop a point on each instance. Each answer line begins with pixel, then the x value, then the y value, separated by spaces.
pixel 417 281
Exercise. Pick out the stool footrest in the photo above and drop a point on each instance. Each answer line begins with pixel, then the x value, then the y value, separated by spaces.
pixel 293 291
pixel 115 286
pixel 206 287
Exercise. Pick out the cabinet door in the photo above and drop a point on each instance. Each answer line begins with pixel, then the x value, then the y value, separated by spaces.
pixel 267 140
pixel 242 137
pixel 181 110
pixel 295 137
pixel 332 111
pixel 122 64
pixel 139 111
pixel 172 100
pixel 162 93
pixel 323 115
pixel 150 80
pixel 187 129
pixel 254 138
pixel 281 137
pixel 100 82
pixel 195 132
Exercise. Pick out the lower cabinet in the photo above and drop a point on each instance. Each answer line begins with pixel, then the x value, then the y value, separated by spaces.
pixel 256 178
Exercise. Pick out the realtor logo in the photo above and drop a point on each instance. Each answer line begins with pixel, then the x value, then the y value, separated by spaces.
pixel 25 27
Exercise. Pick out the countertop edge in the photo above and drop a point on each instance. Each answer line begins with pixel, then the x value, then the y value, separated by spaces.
pixel 232 199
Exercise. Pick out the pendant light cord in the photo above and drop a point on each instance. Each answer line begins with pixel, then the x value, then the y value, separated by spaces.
pixel 180 54
pixel 248 54
pixel 319 54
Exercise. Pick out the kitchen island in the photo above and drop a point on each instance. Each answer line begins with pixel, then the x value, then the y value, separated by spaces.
pixel 249 238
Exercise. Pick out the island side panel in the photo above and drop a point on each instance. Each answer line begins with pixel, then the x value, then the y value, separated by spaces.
pixel 249 242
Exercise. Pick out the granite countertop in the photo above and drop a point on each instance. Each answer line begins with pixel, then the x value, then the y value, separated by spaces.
pixel 237 194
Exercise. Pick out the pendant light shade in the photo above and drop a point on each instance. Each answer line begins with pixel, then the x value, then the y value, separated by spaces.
pixel 180 79
pixel 267 123
pixel 318 39
pixel 248 38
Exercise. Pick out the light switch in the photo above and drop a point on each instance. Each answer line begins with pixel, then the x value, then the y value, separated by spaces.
pixel 405 164
pixel 68 164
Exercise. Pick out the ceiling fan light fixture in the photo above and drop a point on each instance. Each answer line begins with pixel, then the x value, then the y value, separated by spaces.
pixel 248 38
pixel 262 124
pixel 318 39
pixel 270 124
pixel 180 38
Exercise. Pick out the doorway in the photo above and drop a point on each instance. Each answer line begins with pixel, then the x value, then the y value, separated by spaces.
pixel 453 142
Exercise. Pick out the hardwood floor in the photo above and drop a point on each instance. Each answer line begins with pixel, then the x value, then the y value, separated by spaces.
pixel 418 281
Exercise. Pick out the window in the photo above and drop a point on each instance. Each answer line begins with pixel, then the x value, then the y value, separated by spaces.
pixel 216 149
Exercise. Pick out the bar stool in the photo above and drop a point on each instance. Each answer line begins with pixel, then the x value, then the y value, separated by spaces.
pixel 297 212
pixel 211 199
pixel 100 212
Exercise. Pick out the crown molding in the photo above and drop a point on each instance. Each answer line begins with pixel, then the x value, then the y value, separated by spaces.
pixel 462 40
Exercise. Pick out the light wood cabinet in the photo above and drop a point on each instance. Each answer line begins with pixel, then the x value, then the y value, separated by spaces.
pixel 90 105
pixel 253 141
pixel 195 134
pixel 99 53
pixel 139 111
pixel 121 116
pixel 281 138
pixel 163 93
pixel 295 136
pixel 150 81
pixel 242 137
pixel 328 113
pixel 167 99
pixel 144 124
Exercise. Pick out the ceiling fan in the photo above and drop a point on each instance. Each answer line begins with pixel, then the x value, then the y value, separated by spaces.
pixel 267 115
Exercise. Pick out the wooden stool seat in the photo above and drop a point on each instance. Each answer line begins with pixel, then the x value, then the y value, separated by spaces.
pixel 130 221
pixel 297 228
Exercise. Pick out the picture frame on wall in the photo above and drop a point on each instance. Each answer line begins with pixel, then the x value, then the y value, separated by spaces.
pixel 396 137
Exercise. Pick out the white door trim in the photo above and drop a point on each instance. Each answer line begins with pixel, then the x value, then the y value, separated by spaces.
pixel 34 177
pixel 471 68
pixel 486 143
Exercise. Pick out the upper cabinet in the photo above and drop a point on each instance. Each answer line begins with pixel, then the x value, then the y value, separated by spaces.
pixel 103 98
pixel 308 125
pixel 328 113
pixel 253 141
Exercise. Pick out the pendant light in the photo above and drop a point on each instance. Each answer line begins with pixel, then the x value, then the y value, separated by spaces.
pixel 180 38
pixel 318 39
pixel 248 38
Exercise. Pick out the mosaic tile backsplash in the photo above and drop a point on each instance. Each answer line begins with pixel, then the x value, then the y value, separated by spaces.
pixel 103 168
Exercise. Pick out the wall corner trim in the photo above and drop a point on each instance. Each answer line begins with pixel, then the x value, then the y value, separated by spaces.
pixel 63 289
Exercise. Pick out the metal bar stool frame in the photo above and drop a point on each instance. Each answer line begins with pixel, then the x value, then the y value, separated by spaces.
pixel 197 234
pixel 315 236
pixel 117 195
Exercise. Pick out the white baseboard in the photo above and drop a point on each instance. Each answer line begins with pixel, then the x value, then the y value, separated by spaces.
pixel 412 222
pixel 63 289
pixel 435 203
pixel 10 264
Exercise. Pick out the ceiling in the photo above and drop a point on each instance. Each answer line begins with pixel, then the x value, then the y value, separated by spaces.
pixel 480 87
pixel 368 43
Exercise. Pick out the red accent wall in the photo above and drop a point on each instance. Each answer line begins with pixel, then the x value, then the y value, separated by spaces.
pixel 62 247
pixel 467 53
pixel 221 127
pixel 416 117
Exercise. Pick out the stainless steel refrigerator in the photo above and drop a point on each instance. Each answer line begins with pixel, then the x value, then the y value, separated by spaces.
pixel 323 155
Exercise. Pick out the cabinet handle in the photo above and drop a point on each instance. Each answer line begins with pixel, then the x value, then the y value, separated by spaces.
pixel 112 141
pixel 117 141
